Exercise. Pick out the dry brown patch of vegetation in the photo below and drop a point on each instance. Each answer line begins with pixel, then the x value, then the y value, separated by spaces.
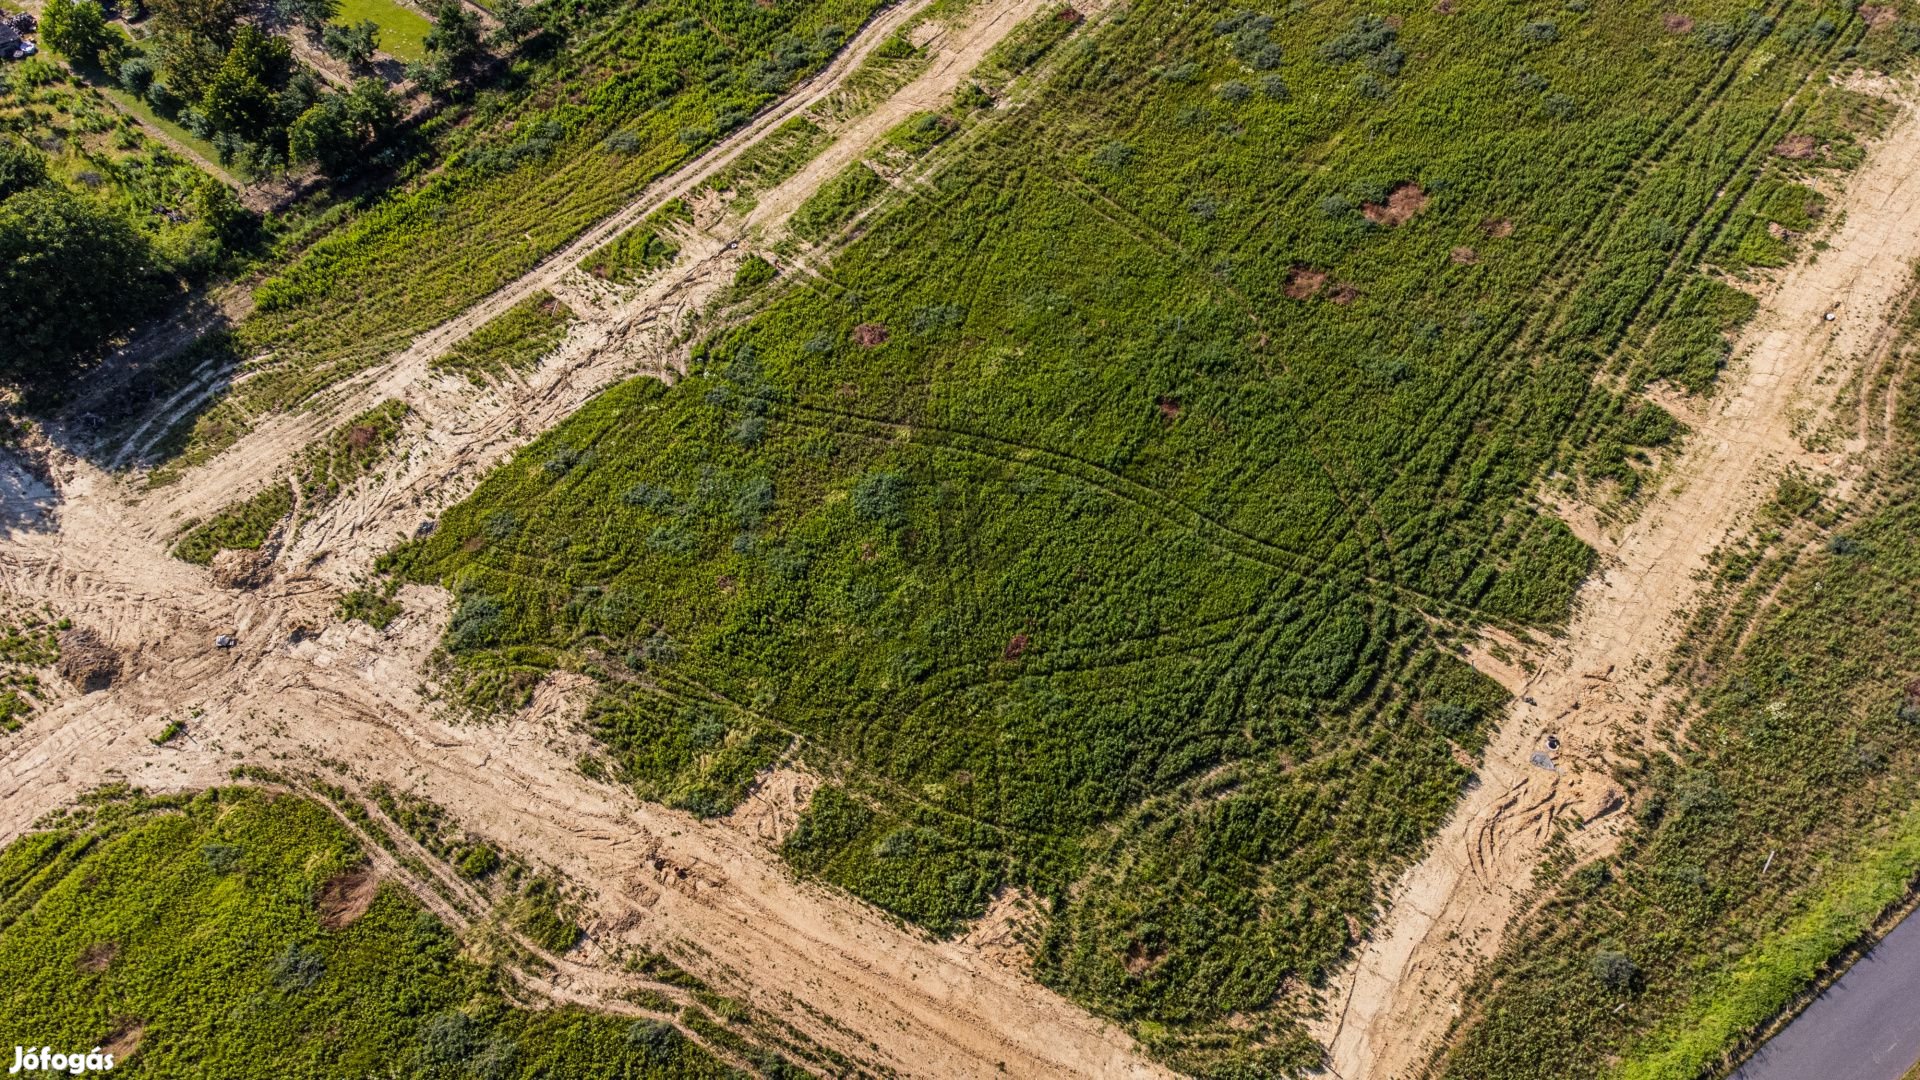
pixel 124 1041
pixel 1403 202
pixel 1677 23
pixel 1497 227
pixel 1798 147
pixel 346 896
pixel 86 660
pixel 1304 283
pixel 99 956
pixel 870 334
pixel 239 568
pixel 1464 256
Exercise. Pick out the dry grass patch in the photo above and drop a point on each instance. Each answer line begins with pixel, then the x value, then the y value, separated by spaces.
pixel 346 896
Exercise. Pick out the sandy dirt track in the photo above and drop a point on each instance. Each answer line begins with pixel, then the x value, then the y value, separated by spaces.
pixel 1392 1006
pixel 94 547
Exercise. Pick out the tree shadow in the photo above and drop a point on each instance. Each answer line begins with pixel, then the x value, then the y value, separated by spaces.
pixel 132 409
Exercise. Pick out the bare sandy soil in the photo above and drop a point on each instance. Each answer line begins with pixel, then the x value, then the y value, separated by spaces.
pixel 1604 681
pixel 302 690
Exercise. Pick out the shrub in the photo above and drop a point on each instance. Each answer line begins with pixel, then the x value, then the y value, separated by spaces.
pixel 1613 970
pixel 881 497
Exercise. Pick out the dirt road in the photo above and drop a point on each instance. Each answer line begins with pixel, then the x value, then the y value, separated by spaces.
pixel 1393 1004
pixel 93 547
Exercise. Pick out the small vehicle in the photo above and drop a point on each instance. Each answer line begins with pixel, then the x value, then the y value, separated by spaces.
pixel 225 641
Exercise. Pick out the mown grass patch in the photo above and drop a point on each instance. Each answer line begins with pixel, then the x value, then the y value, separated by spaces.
pixel 403 31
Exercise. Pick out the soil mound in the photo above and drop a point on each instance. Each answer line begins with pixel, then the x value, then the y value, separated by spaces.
pixel 239 568
pixel 86 660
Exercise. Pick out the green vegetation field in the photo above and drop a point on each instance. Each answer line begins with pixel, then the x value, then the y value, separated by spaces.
pixel 1787 825
pixel 559 142
pixel 403 31
pixel 1104 522
pixel 197 936
pixel 520 337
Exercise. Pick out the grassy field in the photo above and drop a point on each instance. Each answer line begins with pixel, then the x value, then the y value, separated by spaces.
pixel 1104 523
pixel 560 142
pixel 403 31
pixel 207 935
pixel 346 454
pixel 94 148
pixel 1787 825
pixel 514 341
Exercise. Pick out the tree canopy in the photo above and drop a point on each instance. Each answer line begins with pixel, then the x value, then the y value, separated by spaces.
pixel 72 275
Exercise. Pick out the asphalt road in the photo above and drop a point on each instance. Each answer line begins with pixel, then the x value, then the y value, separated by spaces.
pixel 1865 1027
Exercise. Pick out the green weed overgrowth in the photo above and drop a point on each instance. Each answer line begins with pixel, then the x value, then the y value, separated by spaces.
pixel 1102 522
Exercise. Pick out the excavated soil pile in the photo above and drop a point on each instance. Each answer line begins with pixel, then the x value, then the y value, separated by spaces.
pixel 239 568
pixel 86 661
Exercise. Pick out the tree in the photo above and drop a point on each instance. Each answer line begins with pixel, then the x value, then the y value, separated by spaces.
pixel 314 15
pixel 325 135
pixel 373 108
pixel 219 209
pixel 517 20
pixel 355 45
pixel 77 28
pixel 240 99
pixel 190 62
pixel 21 167
pixel 430 75
pixel 1614 970
pixel 136 76
pixel 455 36
pixel 72 275
pixel 212 20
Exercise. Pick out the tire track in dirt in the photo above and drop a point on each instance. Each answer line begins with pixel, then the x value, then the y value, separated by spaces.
pixel 1390 1009
pixel 286 698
